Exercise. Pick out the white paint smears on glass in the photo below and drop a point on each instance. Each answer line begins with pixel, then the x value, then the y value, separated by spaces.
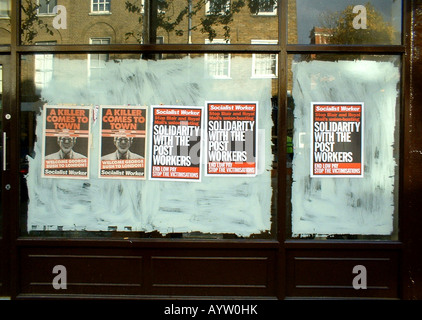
pixel 325 206
pixel 216 205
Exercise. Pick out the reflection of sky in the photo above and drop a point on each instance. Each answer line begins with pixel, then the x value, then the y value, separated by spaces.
pixel 309 11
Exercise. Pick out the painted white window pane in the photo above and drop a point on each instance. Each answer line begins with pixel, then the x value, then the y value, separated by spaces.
pixel 367 206
pixel 212 207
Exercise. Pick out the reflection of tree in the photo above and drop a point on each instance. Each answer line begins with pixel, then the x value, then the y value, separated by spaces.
pixel 177 15
pixel 341 30
pixel 31 24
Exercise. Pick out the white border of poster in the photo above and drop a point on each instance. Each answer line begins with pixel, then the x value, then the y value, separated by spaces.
pixel 255 137
pixel 79 159
pixel 166 175
pixel 136 143
pixel 361 130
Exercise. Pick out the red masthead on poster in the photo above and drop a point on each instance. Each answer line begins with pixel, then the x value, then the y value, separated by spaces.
pixel 176 143
pixel 231 138
pixel 337 140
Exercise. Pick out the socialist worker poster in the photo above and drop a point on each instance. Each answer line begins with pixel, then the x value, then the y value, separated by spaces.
pixel 231 140
pixel 337 140
pixel 123 142
pixel 66 141
pixel 175 143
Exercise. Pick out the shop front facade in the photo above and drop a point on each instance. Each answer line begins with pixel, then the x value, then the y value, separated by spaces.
pixel 210 148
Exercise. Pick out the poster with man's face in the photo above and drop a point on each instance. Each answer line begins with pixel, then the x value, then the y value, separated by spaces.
pixel 66 142
pixel 175 143
pixel 122 142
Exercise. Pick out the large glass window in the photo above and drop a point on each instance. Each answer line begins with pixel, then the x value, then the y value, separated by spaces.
pixel 237 202
pixel 344 126
pixel 176 21
pixel 341 129
pixel 346 22
pixel 76 22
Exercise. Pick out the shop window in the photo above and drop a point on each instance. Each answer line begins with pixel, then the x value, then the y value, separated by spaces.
pixel 103 203
pixel 345 22
pixel 46 6
pixel 345 164
pixel 176 20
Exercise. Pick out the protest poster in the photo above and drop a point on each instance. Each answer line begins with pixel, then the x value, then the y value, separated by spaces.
pixel 231 138
pixel 176 143
pixel 337 140
pixel 66 141
pixel 123 142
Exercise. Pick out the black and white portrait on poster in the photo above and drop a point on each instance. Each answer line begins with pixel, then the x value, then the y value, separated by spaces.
pixel 66 141
pixel 123 142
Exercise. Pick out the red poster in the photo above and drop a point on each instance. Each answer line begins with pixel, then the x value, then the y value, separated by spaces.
pixel 176 143
pixel 123 142
pixel 337 140
pixel 231 138
pixel 66 142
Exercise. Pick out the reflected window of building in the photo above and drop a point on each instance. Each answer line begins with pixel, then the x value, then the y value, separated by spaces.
pixel 46 6
pixel 217 65
pixel 217 6
pixel 267 7
pixel 159 40
pixel 4 8
pixel 321 35
pixel 100 6
pixel 44 66
pixel 264 65
pixel 96 61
